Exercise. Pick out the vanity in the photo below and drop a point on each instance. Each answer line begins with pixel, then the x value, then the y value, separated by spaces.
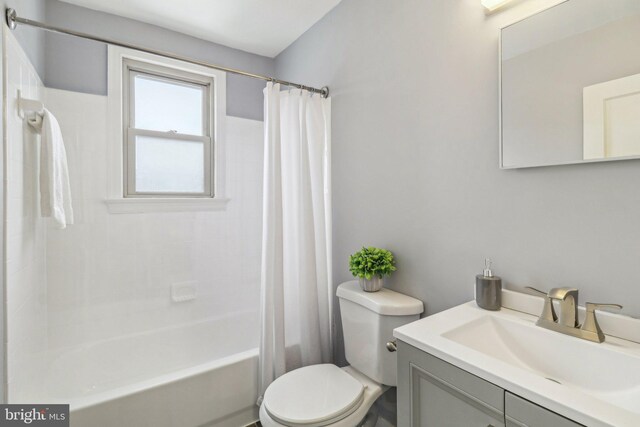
pixel 441 394
pixel 471 367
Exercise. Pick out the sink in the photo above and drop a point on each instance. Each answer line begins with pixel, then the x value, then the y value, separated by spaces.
pixel 606 372
pixel 595 384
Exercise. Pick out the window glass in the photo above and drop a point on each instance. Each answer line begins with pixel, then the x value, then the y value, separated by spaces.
pixel 164 105
pixel 165 165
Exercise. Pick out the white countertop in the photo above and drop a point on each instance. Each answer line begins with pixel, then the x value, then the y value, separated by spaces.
pixel 606 406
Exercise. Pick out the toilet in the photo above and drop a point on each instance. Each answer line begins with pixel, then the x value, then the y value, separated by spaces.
pixel 326 395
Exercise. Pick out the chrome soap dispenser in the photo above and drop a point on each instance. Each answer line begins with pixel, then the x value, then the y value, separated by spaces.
pixel 488 289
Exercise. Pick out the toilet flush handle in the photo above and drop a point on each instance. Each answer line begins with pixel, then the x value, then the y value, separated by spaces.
pixel 392 346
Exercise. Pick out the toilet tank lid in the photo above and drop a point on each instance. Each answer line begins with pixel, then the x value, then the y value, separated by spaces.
pixel 385 301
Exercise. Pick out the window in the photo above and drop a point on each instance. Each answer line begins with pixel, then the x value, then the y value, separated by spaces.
pixel 168 132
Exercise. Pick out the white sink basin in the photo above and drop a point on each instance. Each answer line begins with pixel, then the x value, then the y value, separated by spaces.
pixel 602 371
pixel 591 383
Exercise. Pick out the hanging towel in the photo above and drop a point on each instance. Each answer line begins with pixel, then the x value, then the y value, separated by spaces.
pixel 55 193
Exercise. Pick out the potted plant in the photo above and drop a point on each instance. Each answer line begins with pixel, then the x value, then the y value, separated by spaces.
pixel 370 265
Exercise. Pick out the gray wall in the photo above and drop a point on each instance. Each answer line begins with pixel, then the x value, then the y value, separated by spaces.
pixel 81 65
pixel 415 161
pixel 32 41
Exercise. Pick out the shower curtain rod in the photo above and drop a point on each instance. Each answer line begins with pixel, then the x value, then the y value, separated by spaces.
pixel 13 20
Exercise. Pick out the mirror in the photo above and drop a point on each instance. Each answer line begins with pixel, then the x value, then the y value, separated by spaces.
pixel 570 85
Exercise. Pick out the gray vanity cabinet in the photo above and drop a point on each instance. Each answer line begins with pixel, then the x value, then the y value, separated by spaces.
pixel 522 413
pixel 434 393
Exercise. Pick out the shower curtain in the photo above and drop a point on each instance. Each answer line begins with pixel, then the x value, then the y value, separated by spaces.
pixel 296 292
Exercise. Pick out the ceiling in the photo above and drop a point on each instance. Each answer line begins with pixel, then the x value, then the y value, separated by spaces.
pixel 264 27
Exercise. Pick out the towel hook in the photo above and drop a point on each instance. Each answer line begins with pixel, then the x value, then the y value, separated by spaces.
pixel 26 105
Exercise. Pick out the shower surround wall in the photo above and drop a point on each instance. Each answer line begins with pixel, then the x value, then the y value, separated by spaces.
pixel 25 262
pixel 34 45
pixel 108 277
pixel 217 251
pixel 110 274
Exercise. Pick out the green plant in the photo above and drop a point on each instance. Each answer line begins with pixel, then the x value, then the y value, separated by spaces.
pixel 370 262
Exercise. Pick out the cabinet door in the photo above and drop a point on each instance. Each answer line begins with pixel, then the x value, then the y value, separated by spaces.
pixel 433 393
pixel 522 413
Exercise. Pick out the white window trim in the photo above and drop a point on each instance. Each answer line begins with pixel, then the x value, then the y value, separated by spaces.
pixel 116 202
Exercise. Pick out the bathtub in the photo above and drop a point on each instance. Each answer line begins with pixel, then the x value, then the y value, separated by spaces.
pixel 195 375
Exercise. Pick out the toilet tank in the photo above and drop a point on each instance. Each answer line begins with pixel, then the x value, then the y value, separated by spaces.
pixel 368 321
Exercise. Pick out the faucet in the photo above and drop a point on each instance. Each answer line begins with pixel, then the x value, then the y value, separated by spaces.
pixel 568 298
pixel 567 323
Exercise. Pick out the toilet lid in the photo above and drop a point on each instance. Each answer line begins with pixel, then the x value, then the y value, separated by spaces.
pixel 314 394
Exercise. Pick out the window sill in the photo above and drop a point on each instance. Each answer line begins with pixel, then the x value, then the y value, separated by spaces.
pixel 156 205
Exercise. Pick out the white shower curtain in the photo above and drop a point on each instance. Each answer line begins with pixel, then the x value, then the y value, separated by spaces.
pixel 296 292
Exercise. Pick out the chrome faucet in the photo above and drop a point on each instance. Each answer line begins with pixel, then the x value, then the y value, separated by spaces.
pixel 568 323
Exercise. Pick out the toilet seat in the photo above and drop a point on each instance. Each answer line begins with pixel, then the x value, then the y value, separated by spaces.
pixel 313 396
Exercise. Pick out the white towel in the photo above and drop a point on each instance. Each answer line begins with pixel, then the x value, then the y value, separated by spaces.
pixel 55 193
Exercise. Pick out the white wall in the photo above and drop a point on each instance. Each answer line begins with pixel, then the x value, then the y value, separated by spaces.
pixel 25 230
pixel 414 88
pixel 110 274
pixel 34 46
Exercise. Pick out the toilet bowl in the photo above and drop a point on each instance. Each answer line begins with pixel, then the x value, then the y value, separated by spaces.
pixel 319 395
pixel 326 395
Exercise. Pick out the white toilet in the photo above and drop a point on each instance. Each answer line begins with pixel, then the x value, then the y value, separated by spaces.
pixel 325 395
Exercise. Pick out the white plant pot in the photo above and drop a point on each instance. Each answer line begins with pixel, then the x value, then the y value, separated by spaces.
pixel 371 285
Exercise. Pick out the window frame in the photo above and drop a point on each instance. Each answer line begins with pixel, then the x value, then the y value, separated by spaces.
pixel 116 201
pixel 131 68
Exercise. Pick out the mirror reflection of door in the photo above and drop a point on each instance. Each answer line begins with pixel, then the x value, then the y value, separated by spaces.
pixel 612 119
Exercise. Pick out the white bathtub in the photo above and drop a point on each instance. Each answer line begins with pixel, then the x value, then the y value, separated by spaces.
pixel 194 375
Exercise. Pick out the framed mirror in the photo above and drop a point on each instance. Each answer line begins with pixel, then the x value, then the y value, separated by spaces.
pixel 570 85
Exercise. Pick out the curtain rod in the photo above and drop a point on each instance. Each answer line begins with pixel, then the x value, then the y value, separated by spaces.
pixel 13 20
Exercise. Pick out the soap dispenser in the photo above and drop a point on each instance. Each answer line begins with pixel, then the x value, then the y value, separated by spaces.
pixel 488 289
